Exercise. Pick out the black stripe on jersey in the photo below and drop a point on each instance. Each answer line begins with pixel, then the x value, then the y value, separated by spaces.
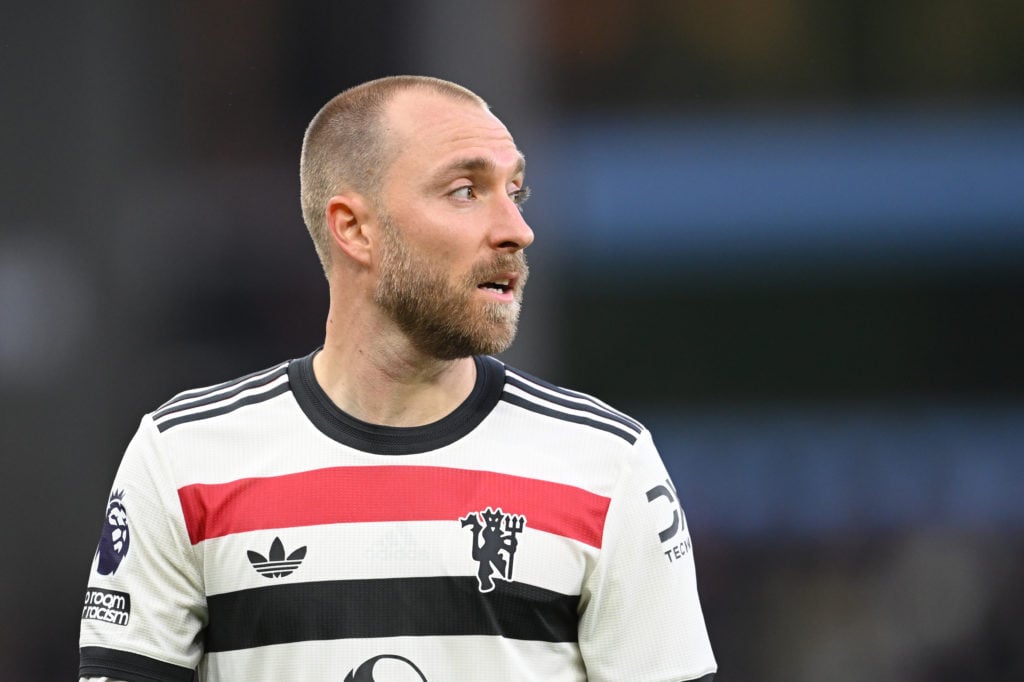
pixel 185 404
pixel 224 409
pixel 585 407
pixel 199 392
pixel 96 661
pixel 606 410
pixel 441 606
pixel 527 404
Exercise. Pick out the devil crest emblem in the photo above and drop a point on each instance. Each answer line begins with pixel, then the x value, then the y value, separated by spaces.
pixel 494 544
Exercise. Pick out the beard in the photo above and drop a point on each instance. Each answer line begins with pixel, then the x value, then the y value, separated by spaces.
pixel 440 317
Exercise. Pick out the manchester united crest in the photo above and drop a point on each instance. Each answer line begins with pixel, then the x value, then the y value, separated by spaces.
pixel 494 543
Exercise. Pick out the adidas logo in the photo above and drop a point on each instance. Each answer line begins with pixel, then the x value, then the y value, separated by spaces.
pixel 276 566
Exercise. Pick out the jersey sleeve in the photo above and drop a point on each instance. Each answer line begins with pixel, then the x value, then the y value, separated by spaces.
pixel 145 605
pixel 641 617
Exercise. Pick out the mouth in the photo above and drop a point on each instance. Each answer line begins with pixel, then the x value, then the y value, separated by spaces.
pixel 503 285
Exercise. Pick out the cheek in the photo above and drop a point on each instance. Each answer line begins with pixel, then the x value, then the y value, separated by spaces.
pixel 442 243
pixel 443 256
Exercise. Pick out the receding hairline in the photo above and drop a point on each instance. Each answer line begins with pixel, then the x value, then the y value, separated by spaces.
pixel 371 103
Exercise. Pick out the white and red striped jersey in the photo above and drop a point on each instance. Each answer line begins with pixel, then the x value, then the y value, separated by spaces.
pixel 256 532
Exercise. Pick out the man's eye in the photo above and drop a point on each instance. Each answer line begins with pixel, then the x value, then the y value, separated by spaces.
pixel 464 193
pixel 520 196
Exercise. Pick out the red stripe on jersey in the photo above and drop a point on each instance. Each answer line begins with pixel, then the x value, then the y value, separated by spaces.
pixel 388 493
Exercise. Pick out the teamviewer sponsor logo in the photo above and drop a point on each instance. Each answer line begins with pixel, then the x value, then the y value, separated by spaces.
pixel 107 605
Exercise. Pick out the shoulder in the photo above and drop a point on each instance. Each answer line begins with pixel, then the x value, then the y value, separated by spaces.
pixel 576 408
pixel 207 402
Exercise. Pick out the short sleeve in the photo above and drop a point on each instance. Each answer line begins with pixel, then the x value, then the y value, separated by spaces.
pixel 144 607
pixel 641 617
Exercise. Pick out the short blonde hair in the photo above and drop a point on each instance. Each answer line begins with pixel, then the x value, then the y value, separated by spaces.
pixel 345 148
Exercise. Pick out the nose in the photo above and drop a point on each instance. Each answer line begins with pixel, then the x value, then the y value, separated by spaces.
pixel 511 233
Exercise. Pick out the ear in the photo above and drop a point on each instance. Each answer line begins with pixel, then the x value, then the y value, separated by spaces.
pixel 347 216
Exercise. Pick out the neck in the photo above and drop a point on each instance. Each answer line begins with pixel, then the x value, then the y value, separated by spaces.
pixel 377 376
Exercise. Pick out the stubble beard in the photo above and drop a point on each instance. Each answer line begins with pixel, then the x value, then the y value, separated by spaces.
pixel 440 318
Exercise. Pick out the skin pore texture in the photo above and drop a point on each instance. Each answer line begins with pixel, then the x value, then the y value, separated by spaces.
pixel 431 271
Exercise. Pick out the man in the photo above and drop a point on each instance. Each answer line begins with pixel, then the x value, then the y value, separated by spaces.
pixel 398 505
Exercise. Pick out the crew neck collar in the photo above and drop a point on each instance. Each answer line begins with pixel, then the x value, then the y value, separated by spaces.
pixel 395 440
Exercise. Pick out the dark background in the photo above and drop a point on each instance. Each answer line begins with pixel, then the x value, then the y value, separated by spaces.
pixel 786 235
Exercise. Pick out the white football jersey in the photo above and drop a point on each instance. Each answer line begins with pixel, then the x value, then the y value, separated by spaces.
pixel 256 532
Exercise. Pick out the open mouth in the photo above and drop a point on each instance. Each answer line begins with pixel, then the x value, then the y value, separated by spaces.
pixel 499 285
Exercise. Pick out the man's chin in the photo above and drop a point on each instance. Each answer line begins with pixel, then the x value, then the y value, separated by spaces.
pixel 504 314
pixel 455 348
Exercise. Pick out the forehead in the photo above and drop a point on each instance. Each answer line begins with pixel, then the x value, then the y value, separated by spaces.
pixel 432 130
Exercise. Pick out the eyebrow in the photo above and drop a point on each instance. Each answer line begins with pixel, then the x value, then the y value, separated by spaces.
pixel 479 164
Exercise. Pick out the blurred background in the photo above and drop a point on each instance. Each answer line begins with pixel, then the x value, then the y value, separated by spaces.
pixel 787 235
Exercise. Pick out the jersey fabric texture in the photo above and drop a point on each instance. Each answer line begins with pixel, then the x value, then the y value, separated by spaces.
pixel 256 532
